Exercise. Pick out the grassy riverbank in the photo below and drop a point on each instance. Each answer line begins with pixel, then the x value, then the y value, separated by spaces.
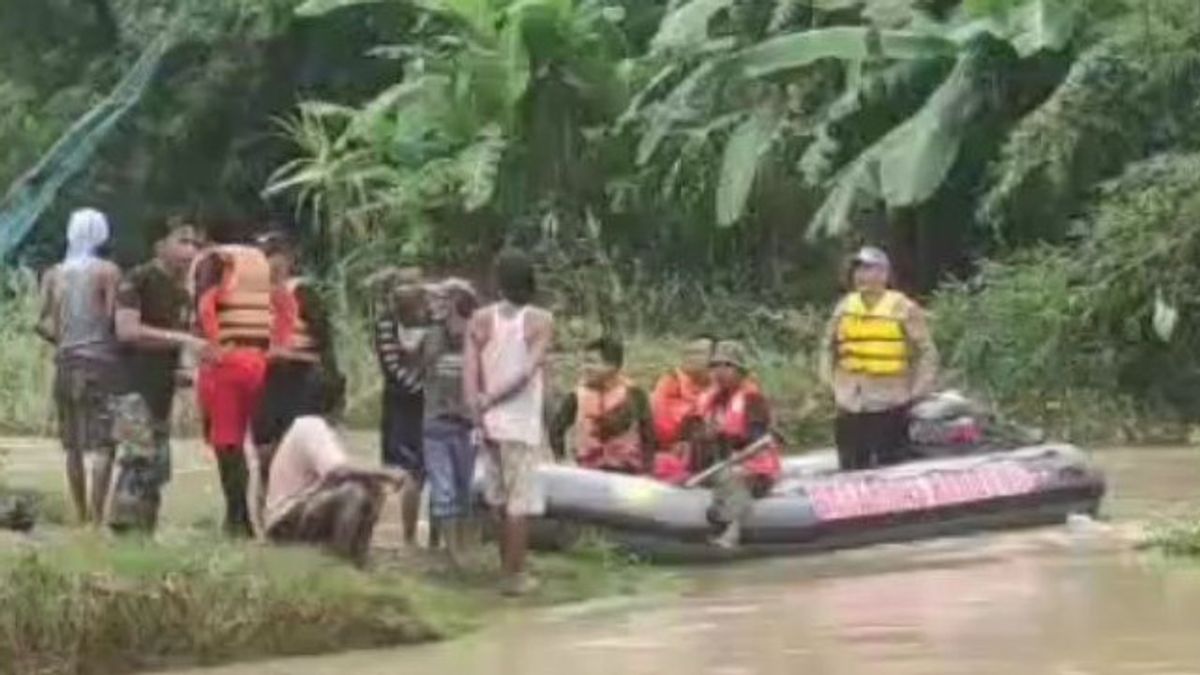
pixel 84 604
pixel 1175 537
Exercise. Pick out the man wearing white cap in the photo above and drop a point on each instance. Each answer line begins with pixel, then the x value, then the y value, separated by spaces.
pixel 78 298
pixel 878 357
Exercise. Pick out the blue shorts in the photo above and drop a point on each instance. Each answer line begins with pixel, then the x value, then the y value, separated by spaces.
pixel 449 467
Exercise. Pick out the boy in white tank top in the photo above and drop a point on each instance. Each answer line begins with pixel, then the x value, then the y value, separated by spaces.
pixel 504 387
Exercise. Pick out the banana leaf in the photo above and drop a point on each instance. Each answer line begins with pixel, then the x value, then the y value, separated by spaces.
pixel 742 157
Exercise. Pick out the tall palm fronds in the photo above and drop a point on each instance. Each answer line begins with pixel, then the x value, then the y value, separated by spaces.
pixel 495 94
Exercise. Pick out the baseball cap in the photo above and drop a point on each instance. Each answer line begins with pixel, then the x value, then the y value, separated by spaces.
pixel 872 256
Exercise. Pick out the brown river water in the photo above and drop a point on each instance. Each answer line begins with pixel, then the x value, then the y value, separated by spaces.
pixel 1066 600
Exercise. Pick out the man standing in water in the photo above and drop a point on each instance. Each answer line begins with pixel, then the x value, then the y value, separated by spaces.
pixel 503 383
pixel 151 320
pixel 78 297
pixel 878 357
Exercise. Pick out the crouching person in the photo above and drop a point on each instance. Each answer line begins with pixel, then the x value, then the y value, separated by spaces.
pixel 315 496
pixel 736 415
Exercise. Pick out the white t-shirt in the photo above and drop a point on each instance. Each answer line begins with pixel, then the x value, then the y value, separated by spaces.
pixel 308 452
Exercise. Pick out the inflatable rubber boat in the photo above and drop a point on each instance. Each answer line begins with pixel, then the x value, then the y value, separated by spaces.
pixel 816 508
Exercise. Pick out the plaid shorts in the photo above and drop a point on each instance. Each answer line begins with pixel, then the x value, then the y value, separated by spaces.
pixel 83 396
pixel 510 479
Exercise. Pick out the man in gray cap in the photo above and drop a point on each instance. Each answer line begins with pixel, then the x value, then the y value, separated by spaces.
pixel 879 358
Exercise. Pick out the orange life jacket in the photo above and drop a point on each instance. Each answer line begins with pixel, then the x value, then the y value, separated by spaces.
pixel 622 452
pixel 676 397
pixel 238 309
pixel 729 415
pixel 291 331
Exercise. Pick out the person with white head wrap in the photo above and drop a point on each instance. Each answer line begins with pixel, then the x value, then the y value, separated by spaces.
pixel 87 231
pixel 78 301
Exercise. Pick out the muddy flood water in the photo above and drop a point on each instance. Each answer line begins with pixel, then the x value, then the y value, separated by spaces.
pixel 1068 600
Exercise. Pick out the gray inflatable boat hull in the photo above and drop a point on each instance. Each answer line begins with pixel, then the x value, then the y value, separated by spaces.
pixel 816 508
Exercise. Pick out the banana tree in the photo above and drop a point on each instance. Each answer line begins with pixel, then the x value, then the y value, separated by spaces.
pixel 909 163
pixel 492 108
pixel 708 76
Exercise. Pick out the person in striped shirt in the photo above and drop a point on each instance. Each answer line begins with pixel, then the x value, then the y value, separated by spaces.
pixel 401 327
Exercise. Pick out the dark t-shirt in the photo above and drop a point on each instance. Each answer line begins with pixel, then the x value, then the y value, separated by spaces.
pixel 162 301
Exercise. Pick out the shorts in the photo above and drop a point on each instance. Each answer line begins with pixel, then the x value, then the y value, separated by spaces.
pixel 229 392
pixel 450 466
pixel 402 427
pixel 510 479
pixel 83 391
pixel 285 390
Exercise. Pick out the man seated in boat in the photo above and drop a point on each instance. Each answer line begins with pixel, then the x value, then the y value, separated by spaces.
pixel 736 416
pixel 611 415
pixel 315 496
pixel 675 405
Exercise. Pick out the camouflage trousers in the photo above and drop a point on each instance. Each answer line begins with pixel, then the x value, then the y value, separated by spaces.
pixel 733 495
pixel 137 495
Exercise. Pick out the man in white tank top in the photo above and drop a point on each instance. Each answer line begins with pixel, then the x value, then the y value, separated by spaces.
pixel 504 386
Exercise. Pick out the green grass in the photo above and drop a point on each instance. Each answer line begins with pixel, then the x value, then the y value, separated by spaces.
pixel 1175 537
pixel 88 605
pixel 26 362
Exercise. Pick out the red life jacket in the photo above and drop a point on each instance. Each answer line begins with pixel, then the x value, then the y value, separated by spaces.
pixel 676 397
pixel 622 452
pixel 729 415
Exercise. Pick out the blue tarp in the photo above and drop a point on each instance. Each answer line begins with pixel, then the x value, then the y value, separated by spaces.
pixel 35 191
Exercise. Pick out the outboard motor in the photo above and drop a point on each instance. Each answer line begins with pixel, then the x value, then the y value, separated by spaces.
pixel 945 424
pixel 948 424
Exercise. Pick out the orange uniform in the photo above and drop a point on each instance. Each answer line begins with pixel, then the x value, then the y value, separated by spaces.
pixel 235 313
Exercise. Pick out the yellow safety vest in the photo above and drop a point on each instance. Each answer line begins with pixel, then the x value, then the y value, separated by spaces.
pixel 871 341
